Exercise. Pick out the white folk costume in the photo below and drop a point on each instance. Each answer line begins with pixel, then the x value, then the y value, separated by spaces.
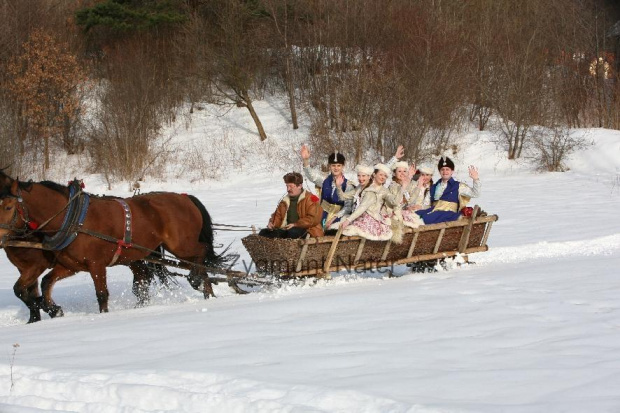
pixel 411 194
pixel 352 197
pixel 371 219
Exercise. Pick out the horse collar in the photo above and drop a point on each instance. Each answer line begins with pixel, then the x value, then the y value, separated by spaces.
pixel 126 241
pixel 23 212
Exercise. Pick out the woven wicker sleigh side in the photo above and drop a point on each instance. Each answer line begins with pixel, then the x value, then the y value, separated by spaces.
pixel 320 256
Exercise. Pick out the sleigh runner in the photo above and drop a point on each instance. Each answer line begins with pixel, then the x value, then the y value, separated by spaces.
pixel 318 257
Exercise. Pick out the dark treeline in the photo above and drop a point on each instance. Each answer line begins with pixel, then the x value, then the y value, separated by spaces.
pixel 103 76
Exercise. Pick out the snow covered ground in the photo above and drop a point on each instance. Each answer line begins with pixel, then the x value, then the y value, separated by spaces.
pixel 532 326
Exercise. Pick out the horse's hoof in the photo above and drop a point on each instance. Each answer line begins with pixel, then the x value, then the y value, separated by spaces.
pixel 141 304
pixel 35 315
pixel 56 311
pixel 196 284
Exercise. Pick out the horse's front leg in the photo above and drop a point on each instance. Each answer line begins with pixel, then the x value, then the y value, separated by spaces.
pixel 99 276
pixel 47 284
pixel 26 288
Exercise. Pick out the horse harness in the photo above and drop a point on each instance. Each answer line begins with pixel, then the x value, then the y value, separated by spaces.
pixel 77 208
pixel 126 241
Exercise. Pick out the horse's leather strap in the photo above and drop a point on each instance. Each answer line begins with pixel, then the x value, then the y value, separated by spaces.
pixel 126 241
pixel 77 208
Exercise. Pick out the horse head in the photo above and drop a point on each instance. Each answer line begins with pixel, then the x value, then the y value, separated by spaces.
pixel 8 215
pixel 10 199
pixel 6 182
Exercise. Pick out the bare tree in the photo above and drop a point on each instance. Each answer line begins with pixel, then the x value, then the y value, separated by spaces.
pixel 236 36
pixel 554 146
pixel 45 81
pixel 134 101
pixel 283 15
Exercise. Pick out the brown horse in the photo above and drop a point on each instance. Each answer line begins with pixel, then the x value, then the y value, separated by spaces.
pixel 32 262
pixel 179 223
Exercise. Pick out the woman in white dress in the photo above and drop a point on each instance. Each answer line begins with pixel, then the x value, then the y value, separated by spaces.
pixel 353 195
pixel 371 219
pixel 421 199
pixel 413 193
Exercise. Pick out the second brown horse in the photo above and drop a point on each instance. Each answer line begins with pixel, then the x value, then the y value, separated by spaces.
pixel 179 223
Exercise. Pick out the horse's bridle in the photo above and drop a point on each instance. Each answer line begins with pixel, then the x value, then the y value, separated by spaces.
pixel 18 211
pixel 11 226
pixel 22 211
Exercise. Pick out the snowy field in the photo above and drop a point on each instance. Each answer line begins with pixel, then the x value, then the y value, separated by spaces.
pixel 532 326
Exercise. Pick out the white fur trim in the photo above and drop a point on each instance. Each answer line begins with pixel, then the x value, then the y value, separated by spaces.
pixel 383 168
pixel 397 234
pixel 425 169
pixel 401 164
pixel 364 169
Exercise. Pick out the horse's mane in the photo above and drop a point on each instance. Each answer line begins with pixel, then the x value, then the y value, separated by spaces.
pixel 5 184
pixel 55 187
pixel 65 190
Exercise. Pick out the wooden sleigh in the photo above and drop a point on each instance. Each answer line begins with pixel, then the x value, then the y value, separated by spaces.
pixel 318 257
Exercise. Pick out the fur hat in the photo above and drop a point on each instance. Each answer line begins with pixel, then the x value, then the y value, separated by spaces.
pixel 401 164
pixel 293 178
pixel 364 169
pixel 445 161
pixel 335 157
pixel 425 169
pixel 383 168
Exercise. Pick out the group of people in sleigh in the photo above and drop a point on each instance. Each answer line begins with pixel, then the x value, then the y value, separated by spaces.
pixel 370 209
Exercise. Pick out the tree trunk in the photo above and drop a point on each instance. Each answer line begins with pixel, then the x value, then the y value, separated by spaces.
pixel 291 92
pixel 512 137
pixel 257 122
pixel 46 150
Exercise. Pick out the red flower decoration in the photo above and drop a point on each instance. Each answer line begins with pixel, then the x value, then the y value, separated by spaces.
pixel 33 225
pixel 314 198
pixel 467 211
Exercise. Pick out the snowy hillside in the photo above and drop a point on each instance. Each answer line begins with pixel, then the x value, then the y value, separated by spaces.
pixel 532 326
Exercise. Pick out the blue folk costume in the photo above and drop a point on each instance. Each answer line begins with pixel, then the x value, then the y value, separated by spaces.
pixel 446 208
pixel 330 201
pixel 455 197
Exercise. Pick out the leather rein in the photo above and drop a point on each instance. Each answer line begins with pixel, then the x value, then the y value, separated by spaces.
pixel 21 211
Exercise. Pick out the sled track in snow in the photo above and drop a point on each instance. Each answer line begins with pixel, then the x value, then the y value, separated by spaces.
pixel 548 250
pixel 151 391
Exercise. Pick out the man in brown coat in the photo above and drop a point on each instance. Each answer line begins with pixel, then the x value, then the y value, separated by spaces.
pixel 298 213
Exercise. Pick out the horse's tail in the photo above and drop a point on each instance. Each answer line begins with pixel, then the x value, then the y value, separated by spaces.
pixel 206 232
